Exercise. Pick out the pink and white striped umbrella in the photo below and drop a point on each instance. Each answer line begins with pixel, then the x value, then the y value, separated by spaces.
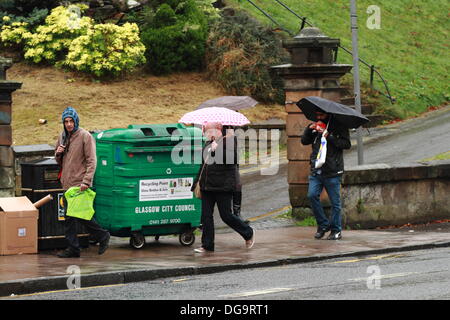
pixel 225 116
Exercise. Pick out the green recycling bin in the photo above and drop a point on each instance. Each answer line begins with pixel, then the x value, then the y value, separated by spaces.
pixel 143 181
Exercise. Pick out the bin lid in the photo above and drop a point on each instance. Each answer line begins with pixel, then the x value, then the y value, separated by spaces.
pixel 50 161
pixel 33 149
pixel 165 134
pixel 11 204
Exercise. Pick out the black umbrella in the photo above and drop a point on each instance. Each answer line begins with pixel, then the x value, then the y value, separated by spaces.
pixel 230 102
pixel 343 114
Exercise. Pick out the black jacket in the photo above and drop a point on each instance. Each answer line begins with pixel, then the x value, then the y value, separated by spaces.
pixel 220 169
pixel 338 139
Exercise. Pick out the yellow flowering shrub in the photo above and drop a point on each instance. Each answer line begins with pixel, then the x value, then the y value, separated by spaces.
pixel 207 7
pixel 69 40
pixel 106 49
pixel 51 40
pixel 15 33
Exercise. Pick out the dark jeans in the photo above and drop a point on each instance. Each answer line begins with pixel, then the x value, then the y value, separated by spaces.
pixel 71 227
pixel 237 200
pixel 223 200
pixel 333 187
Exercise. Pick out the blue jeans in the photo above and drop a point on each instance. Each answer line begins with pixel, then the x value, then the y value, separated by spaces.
pixel 333 187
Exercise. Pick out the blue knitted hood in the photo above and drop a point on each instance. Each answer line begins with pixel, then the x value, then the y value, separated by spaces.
pixel 70 112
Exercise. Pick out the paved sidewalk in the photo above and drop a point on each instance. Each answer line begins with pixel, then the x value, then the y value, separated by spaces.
pixel 30 273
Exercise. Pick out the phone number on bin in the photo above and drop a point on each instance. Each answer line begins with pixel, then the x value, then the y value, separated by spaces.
pixel 164 221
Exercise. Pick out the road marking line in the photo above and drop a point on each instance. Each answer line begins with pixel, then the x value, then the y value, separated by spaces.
pixel 386 256
pixel 386 276
pixel 65 290
pixel 269 213
pixel 255 293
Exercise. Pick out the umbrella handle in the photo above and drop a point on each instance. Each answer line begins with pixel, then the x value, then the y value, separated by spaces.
pixel 325 132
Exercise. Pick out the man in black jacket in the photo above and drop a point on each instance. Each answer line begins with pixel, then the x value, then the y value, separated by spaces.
pixel 217 183
pixel 329 175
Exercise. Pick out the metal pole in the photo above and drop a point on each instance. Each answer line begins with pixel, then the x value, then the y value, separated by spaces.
pixel 357 89
pixel 372 72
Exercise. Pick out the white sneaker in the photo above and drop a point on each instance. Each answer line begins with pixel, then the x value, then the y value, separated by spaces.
pixel 249 243
pixel 200 250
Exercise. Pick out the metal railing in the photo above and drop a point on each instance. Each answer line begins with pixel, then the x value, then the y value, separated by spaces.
pixel 271 19
pixel 304 22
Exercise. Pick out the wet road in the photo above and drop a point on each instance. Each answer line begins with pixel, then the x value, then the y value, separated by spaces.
pixel 411 141
pixel 422 275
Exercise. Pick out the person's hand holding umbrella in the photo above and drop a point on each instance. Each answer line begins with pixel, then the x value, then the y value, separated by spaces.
pixel 212 134
pixel 320 126
pixel 314 108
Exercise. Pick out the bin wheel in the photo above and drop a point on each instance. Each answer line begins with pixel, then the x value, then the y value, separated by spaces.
pixel 156 238
pixel 187 239
pixel 137 240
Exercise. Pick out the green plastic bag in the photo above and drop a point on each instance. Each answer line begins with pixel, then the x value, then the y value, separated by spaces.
pixel 80 204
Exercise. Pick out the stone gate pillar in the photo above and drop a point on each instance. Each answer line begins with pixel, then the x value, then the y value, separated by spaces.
pixel 312 72
pixel 7 173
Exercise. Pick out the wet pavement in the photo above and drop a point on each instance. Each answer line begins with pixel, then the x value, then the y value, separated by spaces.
pixel 21 274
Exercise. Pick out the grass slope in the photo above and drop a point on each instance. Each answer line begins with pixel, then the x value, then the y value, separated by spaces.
pixel 410 49
pixel 138 98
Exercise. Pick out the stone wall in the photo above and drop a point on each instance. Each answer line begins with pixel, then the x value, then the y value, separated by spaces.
pixel 381 194
pixel 7 176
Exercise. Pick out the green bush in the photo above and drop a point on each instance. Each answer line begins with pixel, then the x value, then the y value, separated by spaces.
pixel 164 17
pixel 157 3
pixel 175 39
pixel 174 48
pixel 239 54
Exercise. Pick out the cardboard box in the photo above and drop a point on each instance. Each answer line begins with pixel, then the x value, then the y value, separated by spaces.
pixel 18 226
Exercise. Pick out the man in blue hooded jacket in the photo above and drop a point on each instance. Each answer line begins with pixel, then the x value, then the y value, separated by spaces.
pixel 75 153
